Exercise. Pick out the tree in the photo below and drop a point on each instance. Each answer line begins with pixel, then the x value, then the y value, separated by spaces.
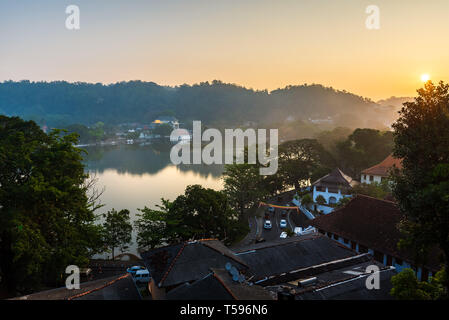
pixel 343 201
pixel 46 217
pixel 151 226
pixel 376 190
pixel 198 213
pixel 407 287
pixel 320 200
pixel 299 160
pixel 306 200
pixel 363 149
pixel 243 186
pixel 421 138
pixel 117 230
pixel 163 130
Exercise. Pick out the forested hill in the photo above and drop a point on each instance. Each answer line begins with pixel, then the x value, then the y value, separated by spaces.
pixel 61 103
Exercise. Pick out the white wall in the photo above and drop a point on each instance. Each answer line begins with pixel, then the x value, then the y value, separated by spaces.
pixel 326 194
pixel 366 179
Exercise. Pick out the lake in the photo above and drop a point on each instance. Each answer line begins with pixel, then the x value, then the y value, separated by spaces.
pixel 135 176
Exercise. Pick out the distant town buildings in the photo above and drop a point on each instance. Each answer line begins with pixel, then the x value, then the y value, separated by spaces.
pixel 166 120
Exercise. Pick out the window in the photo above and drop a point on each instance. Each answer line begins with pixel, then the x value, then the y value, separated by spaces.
pixel 336 237
pixel 371 178
pixel 346 241
pixel 389 260
pixel 364 177
pixel 398 261
pixel 353 245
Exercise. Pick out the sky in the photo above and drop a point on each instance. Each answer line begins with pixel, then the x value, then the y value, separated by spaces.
pixel 258 44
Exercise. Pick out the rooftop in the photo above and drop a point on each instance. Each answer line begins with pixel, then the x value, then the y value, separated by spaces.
pixel 188 261
pixel 273 260
pixel 113 288
pixel 336 178
pixel 349 284
pixel 371 222
pixel 383 169
pixel 218 285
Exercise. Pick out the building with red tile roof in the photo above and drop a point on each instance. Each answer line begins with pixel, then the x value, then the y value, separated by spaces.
pixel 368 224
pixel 381 171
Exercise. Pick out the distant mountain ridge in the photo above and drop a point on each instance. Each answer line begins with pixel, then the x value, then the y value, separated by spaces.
pixel 215 103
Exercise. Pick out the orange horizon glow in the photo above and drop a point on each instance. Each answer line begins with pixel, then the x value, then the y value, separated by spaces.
pixel 265 47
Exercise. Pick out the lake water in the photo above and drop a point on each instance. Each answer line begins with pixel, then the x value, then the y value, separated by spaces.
pixel 136 176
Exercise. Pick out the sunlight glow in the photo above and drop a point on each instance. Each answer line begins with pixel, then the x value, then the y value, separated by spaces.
pixel 425 77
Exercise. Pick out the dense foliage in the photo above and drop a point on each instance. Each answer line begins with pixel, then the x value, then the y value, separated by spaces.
pixel 62 103
pixel 46 218
pixel 407 287
pixel 197 214
pixel 117 229
pixel 422 186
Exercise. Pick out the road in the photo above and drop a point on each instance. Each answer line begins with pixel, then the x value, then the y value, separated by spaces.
pixel 275 218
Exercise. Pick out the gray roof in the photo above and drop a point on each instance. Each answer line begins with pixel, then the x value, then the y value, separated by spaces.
pixel 189 261
pixel 113 288
pixel 336 178
pixel 298 253
pixel 351 288
pixel 218 285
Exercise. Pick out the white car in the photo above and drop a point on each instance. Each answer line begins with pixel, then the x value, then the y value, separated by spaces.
pixel 267 225
pixel 283 235
pixel 283 223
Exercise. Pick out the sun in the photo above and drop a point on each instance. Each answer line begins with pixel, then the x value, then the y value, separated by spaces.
pixel 425 77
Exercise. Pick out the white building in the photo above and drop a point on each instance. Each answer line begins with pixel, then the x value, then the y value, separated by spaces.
pixel 333 186
pixel 381 171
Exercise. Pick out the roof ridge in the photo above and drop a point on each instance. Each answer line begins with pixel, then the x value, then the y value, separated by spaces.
pixel 172 264
pixel 225 286
pixel 373 198
pixel 99 288
pixel 231 256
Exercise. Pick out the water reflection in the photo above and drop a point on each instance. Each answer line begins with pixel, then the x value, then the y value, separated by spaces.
pixel 139 160
pixel 137 176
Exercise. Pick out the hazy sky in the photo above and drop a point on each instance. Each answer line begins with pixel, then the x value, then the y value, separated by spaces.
pixel 254 43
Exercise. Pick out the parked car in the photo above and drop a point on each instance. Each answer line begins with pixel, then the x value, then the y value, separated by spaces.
pixel 283 223
pixel 134 269
pixel 267 225
pixel 270 209
pixel 284 213
pixel 267 215
pixel 283 235
pixel 142 276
